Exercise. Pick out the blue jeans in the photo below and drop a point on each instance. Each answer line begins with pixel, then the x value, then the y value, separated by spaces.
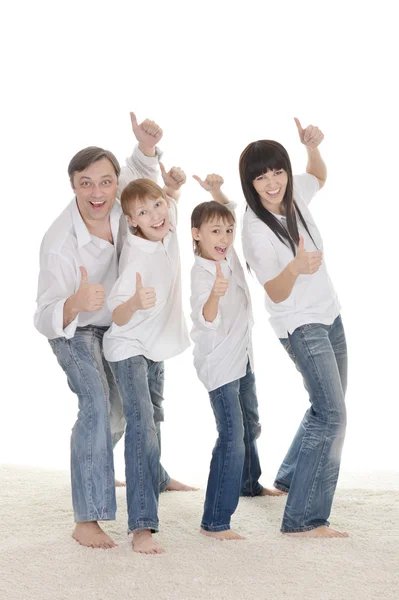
pixel 140 382
pixel 235 467
pixel 100 423
pixel 309 472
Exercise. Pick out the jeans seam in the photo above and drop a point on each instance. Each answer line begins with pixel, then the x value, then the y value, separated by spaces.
pixel 218 495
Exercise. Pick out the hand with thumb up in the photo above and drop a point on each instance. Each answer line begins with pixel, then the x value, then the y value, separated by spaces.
pixel 145 297
pixel 306 263
pixel 89 297
pixel 221 284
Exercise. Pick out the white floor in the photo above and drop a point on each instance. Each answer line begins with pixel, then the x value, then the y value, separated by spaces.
pixel 40 561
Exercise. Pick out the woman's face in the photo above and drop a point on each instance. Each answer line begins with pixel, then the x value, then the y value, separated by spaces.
pixel 271 188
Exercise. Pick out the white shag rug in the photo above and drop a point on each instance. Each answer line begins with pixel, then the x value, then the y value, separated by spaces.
pixel 40 561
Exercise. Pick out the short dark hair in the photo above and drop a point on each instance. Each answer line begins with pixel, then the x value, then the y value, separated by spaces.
pixel 86 157
pixel 205 212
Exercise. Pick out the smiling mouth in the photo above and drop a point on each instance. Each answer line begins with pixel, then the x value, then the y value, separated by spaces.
pixel 273 193
pixel 159 225
pixel 97 205
pixel 220 250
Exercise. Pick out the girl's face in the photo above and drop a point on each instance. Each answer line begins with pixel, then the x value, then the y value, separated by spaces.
pixel 215 238
pixel 271 188
pixel 151 217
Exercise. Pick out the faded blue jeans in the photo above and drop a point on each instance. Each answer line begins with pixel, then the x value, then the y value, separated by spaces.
pixel 140 382
pixel 309 472
pixel 100 423
pixel 235 468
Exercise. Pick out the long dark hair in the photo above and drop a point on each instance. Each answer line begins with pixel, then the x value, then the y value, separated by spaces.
pixel 257 158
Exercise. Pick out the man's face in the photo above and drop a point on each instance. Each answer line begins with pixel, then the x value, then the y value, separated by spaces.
pixel 95 190
pixel 151 217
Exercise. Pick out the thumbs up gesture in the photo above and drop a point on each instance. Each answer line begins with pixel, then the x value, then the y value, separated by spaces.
pixel 311 136
pixel 148 134
pixel 221 284
pixel 306 263
pixel 89 297
pixel 212 182
pixel 145 297
pixel 174 178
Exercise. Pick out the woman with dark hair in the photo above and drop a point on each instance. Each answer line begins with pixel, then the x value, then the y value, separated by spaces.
pixel 283 246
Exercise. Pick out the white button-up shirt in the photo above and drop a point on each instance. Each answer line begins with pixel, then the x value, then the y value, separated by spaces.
pixel 221 348
pixel 313 298
pixel 67 245
pixel 160 332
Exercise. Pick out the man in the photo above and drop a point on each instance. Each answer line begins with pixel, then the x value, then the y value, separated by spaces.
pixel 78 267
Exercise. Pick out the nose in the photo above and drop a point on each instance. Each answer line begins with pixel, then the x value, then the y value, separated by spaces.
pixel 96 191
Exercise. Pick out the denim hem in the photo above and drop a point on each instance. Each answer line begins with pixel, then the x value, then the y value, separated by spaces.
pixel 281 487
pixel 216 528
pixel 164 485
pixel 253 494
pixel 304 528
pixel 144 525
pixel 91 519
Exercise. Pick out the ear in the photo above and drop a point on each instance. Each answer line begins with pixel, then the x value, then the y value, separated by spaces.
pixel 195 234
pixel 130 221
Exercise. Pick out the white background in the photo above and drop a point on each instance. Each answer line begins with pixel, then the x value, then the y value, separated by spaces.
pixel 215 77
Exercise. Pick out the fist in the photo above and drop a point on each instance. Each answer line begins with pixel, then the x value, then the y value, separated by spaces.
pixel 89 297
pixel 221 284
pixel 311 136
pixel 145 297
pixel 212 183
pixel 148 133
pixel 174 179
pixel 307 263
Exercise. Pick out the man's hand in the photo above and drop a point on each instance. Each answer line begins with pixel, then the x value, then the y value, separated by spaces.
pixel 311 136
pixel 145 297
pixel 148 134
pixel 89 297
pixel 174 178
pixel 306 263
pixel 212 183
pixel 221 284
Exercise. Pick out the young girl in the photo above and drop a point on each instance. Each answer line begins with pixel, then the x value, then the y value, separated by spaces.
pixel 283 246
pixel 148 327
pixel 222 322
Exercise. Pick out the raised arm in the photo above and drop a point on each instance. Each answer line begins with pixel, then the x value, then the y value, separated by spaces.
pixel 312 137
pixel 144 162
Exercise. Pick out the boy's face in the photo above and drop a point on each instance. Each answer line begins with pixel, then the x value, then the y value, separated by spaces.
pixel 215 238
pixel 151 217
pixel 95 190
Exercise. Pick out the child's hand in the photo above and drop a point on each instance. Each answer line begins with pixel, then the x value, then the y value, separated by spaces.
pixel 221 284
pixel 311 136
pixel 148 134
pixel 174 179
pixel 212 183
pixel 145 297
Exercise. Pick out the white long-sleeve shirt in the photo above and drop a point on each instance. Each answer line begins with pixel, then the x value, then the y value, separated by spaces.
pixel 313 298
pixel 67 245
pixel 221 348
pixel 160 332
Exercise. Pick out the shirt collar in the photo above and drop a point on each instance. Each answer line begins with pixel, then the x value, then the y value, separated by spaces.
pixel 147 245
pixel 210 266
pixel 82 233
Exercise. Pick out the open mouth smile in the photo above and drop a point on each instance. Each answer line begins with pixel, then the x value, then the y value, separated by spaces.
pixel 159 225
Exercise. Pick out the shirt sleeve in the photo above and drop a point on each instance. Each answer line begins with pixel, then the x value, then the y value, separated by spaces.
pixel 139 165
pixel 124 287
pixel 259 251
pixel 172 211
pixel 57 282
pixel 306 186
pixel 201 287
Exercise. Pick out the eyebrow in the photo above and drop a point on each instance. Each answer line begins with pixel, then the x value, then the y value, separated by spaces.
pixel 87 177
pixel 221 224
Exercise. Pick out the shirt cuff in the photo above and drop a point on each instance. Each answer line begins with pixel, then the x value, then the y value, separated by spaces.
pixel 148 160
pixel 58 319
pixel 213 325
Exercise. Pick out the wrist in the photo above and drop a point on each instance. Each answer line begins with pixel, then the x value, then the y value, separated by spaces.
pixel 147 150
pixel 72 305
pixel 293 268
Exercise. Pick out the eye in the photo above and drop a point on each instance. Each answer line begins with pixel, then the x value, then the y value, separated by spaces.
pixel 157 204
pixel 141 213
pixel 107 182
pixel 85 184
pixel 259 178
pixel 230 230
pixel 216 231
pixel 278 172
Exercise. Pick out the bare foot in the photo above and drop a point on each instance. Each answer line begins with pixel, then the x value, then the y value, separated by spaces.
pixel 176 486
pixel 119 483
pixel 228 534
pixel 91 535
pixel 272 492
pixel 144 542
pixel 319 532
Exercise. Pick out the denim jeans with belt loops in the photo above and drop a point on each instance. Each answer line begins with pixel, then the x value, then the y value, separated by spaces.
pixel 309 472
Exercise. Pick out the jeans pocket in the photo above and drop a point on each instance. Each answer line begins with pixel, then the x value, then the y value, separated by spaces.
pixel 62 349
